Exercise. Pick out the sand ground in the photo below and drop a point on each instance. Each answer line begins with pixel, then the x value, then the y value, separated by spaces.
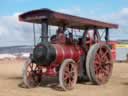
pixel 11 80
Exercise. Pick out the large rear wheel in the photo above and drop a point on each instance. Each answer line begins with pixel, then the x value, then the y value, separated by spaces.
pixel 99 63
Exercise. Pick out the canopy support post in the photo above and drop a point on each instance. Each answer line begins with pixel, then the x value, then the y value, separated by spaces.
pixel 107 34
pixel 34 35
pixel 96 34
pixel 84 38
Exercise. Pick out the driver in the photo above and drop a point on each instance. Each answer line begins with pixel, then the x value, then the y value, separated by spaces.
pixel 60 36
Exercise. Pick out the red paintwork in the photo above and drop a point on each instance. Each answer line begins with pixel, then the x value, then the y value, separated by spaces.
pixel 113 50
pixel 63 52
pixel 67 52
pixel 50 71
pixel 113 54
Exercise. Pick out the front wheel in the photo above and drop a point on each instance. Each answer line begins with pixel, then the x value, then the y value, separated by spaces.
pixel 68 74
pixel 31 74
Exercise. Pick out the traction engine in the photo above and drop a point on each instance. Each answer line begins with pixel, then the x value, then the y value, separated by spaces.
pixel 69 59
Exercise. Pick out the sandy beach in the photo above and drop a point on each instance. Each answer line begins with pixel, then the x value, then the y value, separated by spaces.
pixel 11 83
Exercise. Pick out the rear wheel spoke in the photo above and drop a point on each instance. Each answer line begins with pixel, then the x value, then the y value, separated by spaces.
pixel 105 54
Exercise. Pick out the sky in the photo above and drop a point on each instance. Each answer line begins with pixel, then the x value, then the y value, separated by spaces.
pixel 13 32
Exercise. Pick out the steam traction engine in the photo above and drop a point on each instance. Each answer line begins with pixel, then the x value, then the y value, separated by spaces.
pixel 65 56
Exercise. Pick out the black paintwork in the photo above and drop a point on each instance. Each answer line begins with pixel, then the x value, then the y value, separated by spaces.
pixel 44 54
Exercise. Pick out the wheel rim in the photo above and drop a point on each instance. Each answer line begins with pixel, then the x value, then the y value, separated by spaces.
pixel 32 75
pixel 68 75
pixel 103 65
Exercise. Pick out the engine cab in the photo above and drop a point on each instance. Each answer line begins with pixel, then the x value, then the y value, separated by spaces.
pixel 57 47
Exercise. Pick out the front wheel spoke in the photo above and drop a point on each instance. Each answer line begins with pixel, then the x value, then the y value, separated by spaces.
pixel 66 72
pixel 70 67
pixel 32 74
pixel 29 77
pixel 30 66
pixel 70 81
pixel 36 67
pixel 72 70
pixel 67 69
pixel 66 76
pixel 72 74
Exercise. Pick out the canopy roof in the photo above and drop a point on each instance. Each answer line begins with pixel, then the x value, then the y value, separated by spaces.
pixel 61 19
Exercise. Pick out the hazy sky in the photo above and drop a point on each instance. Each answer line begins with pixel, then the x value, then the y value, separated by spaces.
pixel 13 32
